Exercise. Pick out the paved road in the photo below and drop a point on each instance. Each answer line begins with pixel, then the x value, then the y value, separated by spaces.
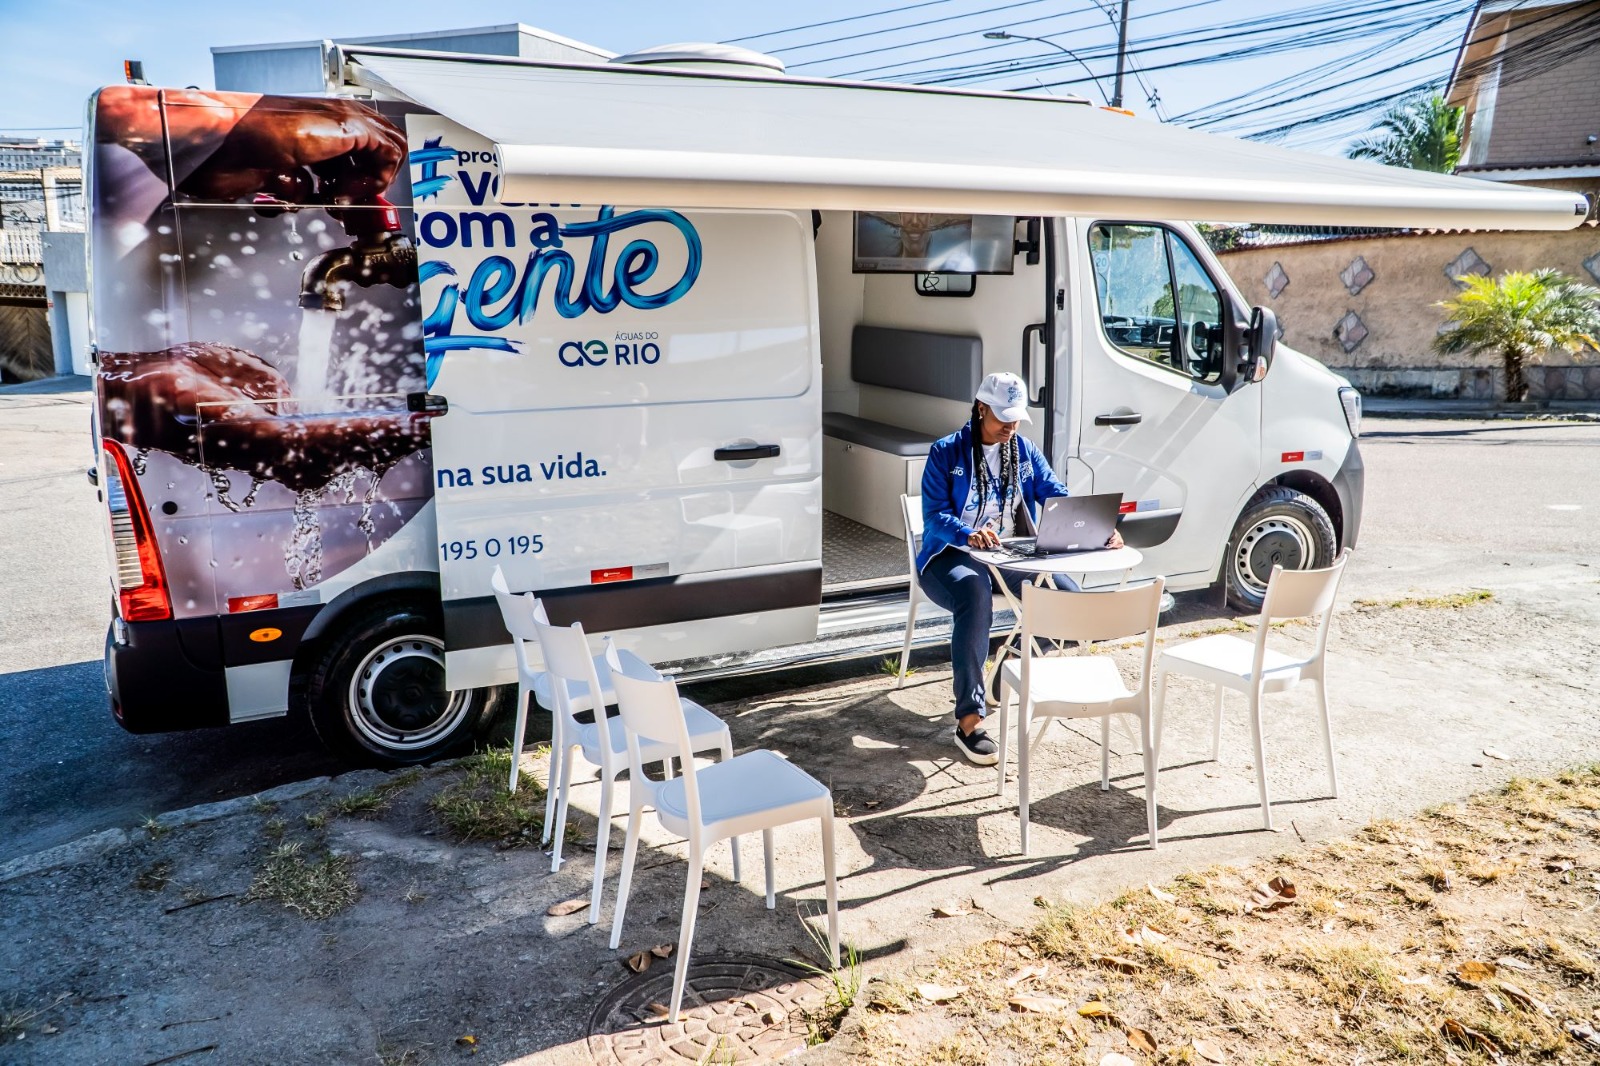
pixel 1449 505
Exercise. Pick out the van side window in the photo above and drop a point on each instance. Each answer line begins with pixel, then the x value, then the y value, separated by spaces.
pixel 1156 300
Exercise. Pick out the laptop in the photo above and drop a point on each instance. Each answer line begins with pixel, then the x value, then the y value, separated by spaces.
pixel 1069 525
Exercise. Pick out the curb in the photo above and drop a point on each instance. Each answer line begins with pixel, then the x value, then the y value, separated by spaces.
pixel 108 840
pixel 1480 414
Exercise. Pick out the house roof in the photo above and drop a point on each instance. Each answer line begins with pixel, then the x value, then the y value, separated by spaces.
pixel 1491 19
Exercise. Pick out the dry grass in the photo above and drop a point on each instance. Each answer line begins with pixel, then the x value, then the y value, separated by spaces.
pixel 1452 601
pixel 374 800
pixel 1364 966
pixel 476 806
pixel 315 887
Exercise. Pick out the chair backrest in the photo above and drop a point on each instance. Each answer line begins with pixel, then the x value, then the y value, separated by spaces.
pixel 520 614
pixel 651 712
pixel 1059 614
pixel 1302 593
pixel 567 661
pixel 911 511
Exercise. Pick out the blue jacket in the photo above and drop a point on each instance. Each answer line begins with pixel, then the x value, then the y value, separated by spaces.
pixel 946 484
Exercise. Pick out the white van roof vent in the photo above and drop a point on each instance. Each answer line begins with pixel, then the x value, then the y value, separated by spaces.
pixel 712 58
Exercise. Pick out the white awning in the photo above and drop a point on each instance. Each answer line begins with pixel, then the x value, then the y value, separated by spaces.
pixel 640 137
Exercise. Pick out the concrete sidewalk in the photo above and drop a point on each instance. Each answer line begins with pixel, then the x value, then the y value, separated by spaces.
pixel 1426 407
pixel 136 947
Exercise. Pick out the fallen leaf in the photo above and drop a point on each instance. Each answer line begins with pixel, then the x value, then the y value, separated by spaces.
pixel 1207 1051
pixel 1469 1037
pixel 1523 999
pixel 1117 962
pixel 872 805
pixel 1026 952
pixel 660 1009
pixel 639 962
pixel 467 1041
pixel 1495 753
pixel 1472 972
pixel 1114 1058
pixel 567 906
pixel 1144 936
pixel 1508 962
pixel 661 951
pixel 1164 897
pixel 941 993
pixel 1031 1004
pixel 773 1017
pixel 1141 1040
pixel 950 910
pixel 1026 973
pixel 1422 980
pixel 1494 1001
pixel 1276 893
pixel 705 884
pixel 1094 1009
pixel 49 1030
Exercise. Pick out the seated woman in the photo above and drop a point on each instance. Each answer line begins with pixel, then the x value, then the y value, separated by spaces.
pixel 974 483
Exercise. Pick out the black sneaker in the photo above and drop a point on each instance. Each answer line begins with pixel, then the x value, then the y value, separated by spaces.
pixel 977 747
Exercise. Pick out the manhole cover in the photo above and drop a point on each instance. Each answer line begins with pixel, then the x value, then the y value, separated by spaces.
pixel 736 1008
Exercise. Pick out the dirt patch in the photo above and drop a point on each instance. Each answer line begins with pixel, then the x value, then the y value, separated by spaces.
pixel 1467 934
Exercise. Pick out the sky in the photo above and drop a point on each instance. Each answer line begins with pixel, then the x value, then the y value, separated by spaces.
pixel 58 51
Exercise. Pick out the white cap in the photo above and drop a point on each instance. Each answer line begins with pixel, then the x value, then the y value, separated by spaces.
pixel 1006 396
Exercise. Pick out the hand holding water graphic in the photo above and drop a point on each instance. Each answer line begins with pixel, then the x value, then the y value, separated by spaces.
pixel 223 408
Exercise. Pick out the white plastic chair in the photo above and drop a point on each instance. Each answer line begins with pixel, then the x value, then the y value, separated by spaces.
pixel 911 511
pixel 1080 686
pixel 1249 666
pixel 604 741
pixel 754 790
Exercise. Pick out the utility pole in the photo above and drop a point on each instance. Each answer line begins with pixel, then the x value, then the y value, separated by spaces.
pixel 1122 54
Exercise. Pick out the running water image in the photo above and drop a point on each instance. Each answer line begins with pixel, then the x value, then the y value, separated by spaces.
pixel 263 406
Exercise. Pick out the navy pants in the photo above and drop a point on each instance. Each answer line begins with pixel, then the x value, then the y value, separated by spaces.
pixel 964 587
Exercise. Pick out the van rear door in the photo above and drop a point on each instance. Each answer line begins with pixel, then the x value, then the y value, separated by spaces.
pixel 634 416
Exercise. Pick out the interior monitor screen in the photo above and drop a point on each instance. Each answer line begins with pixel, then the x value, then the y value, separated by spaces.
pixel 888 242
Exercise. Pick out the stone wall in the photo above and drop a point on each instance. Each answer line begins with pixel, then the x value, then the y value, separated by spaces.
pixel 1367 306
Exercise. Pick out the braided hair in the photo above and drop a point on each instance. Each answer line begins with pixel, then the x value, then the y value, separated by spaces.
pixel 1009 460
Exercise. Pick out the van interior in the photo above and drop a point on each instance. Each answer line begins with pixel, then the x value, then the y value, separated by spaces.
pixel 900 366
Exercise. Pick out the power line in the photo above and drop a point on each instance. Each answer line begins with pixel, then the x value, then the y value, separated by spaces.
pixel 835 22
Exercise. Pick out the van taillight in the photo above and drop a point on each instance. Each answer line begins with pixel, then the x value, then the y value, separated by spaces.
pixel 141 579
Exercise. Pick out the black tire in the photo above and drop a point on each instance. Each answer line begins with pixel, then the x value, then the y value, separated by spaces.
pixel 375 692
pixel 1279 527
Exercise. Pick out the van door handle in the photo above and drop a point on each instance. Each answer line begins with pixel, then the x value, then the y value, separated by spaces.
pixel 1119 420
pixel 739 452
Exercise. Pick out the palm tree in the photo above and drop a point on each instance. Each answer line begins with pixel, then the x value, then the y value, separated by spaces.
pixel 1522 315
pixel 1422 133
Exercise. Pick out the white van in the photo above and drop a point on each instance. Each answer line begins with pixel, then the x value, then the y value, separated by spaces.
pixel 324 424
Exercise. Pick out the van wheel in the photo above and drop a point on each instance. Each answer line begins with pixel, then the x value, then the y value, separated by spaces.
pixel 1279 527
pixel 376 694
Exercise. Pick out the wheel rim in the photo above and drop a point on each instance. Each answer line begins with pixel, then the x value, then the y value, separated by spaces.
pixel 398 701
pixel 1279 540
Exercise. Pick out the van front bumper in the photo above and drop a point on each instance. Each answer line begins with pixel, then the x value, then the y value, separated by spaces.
pixel 1350 484
pixel 165 676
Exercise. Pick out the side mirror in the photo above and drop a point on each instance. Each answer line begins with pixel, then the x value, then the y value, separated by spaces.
pixel 1262 339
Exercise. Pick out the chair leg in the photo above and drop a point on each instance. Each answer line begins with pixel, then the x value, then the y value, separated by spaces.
pixel 630 851
pixel 1023 747
pixel 1005 718
pixel 1261 757
pixel 829 875
pixel 766 851
pixel 1327 737
pixel 691 908
pixel 733 842
pixel 561 808
pixel 911 625
pixel 516 736
pixel 1151 773
pixel 1216 726
pixel 602 843
pixel 1105 753
pixel 558 753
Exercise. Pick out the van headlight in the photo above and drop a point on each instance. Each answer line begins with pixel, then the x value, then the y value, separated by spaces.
pixel 1351 399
